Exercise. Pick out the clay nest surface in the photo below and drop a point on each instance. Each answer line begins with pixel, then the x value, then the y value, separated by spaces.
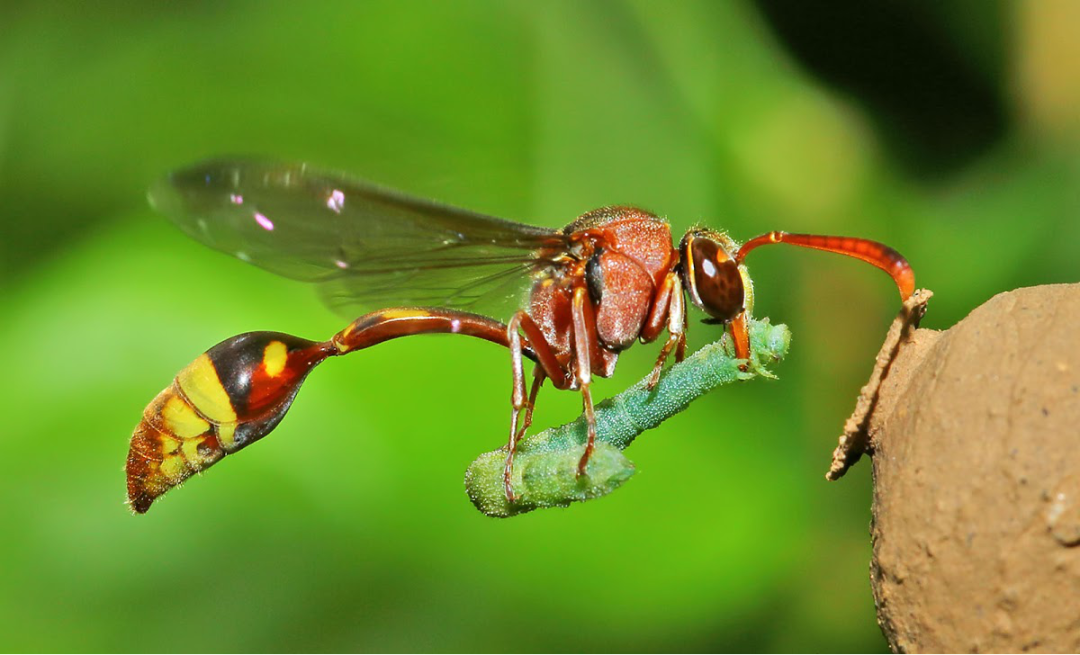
pixel 974 433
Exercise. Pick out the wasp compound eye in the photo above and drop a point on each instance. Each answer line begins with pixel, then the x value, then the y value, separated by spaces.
pixel 713 279
pixel 231 396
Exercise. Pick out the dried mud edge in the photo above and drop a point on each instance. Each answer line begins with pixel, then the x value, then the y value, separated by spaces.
pixel 855 440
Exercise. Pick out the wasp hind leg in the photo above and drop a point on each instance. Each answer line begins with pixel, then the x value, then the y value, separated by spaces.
pixel 521 408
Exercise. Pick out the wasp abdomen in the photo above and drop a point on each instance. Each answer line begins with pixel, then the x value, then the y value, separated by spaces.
pixel 230 396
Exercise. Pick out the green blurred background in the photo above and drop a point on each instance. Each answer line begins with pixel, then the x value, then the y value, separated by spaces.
pixel 948 130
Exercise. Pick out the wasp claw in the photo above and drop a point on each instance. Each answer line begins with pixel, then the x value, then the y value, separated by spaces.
pixel 654 380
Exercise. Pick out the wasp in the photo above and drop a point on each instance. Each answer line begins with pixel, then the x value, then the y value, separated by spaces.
pixel 568 300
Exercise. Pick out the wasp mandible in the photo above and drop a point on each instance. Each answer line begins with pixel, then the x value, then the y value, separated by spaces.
pixel 569 300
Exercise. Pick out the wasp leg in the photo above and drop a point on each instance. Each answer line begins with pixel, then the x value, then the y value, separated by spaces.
pixel 670 306
pixel 741 335
pixel 538 380
pixel 680 350
pixel 585 341
pixel 657 318
pixel 517 403
pixel 547 366
pixel 518 432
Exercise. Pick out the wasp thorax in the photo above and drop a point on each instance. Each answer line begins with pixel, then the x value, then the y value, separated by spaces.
pixel 711 275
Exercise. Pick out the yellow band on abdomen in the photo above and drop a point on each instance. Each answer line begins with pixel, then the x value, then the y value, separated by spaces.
pixel 200 383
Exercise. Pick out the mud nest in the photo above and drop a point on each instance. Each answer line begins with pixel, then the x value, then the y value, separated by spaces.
pixel 974 433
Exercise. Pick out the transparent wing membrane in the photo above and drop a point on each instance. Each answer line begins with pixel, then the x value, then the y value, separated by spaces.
pixel 364 245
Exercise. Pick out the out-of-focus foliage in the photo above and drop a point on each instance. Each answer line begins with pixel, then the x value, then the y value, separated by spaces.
pixel 348 529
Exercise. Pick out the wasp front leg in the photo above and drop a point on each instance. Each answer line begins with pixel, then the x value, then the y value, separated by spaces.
pixel 740 334
pixel 670 310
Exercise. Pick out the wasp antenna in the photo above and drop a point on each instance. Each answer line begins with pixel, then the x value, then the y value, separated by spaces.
pixel 871 252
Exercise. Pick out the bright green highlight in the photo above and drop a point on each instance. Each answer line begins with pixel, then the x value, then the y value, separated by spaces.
pixel 545 465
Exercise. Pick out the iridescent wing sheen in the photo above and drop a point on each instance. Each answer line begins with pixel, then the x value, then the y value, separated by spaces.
pixel 366 246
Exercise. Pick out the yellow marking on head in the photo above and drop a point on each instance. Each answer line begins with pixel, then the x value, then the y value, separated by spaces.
pixel 200 383
pixel 275 356
pixel 748 290
pixel 181 419
pixel 688 264
pixel 391 314
pixel 225 433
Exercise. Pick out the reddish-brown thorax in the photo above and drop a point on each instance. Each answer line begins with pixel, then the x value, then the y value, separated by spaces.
pixel 622 255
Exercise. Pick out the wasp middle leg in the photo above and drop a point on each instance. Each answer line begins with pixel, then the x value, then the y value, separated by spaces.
pixel 586 351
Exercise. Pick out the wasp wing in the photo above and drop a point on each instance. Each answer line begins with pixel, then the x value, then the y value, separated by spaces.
pixel 364 245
